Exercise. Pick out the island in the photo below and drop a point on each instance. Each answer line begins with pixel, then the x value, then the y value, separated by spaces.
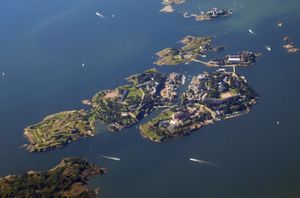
pixel 118 108
pixel 193 48
pixel 59 129
pixel 126 105
pixel 167 9
pixel 168 5
pixel 171 2
pixel 210 97
pixel 289 45
pixel 209 15
pixel 67 179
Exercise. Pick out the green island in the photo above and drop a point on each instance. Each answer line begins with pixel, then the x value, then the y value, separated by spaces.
pixel 210 97
pixel 67 179
pixel 193 48
pixel 127 104
pixel 209 15
pixel 119 108
pixel 59 129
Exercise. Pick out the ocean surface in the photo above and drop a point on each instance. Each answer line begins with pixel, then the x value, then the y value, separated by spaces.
pixel 43 45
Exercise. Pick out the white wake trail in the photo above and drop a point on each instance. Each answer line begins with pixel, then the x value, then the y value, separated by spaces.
pixel 203 162
pixel 106 156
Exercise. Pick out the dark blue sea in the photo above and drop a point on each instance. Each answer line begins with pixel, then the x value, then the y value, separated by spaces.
pixel 43 45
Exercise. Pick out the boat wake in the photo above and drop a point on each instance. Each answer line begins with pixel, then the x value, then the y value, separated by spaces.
pixel 203 162
pixel 105 156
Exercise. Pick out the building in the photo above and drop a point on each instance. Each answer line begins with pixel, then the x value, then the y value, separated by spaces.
pixel 233 58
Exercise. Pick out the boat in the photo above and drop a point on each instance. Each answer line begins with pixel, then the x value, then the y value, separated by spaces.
pixel 268 47
pixel 183 79
pixel 251 32
pixel 99 15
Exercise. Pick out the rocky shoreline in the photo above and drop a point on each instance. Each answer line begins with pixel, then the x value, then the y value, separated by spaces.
pixel 68 179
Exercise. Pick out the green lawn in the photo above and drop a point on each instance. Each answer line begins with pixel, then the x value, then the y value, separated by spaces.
pixel 133 91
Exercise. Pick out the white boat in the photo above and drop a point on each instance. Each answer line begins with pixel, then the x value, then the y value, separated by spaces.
pixel 183 79
pixel 99 15
pixel 194 160
pixel 251 32
pixel 268 47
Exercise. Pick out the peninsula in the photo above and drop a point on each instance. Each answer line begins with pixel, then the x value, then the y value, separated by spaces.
pixel 210 97
pixel 193 48
pixel 67 179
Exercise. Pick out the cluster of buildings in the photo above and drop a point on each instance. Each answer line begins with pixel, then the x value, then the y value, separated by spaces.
pixel 196 90
pixel 222 92
pixel 244 58
pixel 216 12
pixel 172 83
